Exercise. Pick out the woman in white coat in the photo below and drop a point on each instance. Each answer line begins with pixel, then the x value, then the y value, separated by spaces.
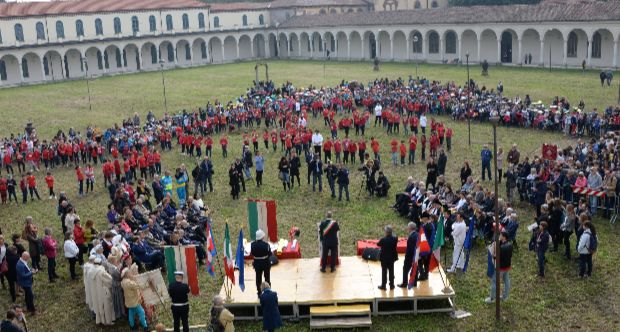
pixel 459 231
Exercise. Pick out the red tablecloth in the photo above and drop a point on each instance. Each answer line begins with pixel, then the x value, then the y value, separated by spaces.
pixel 287 253
pixel 401 247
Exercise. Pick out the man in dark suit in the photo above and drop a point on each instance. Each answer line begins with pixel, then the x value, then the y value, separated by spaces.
pixel 412 241
pixel 316 168
pixel 328 234
pixel 388 256
pixel 24 280
pixel 269 307
pixel 262 266
pixel 425 258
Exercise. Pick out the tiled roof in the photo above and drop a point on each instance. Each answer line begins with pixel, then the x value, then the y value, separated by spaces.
pixel 317 3
pixel 238 6
pixel 17 9
pixel 545 12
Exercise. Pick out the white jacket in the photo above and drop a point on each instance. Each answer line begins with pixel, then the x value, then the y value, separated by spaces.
pixel 459 231
pixel 71 249
pixel 584 243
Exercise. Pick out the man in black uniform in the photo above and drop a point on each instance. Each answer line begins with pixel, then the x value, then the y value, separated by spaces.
pixel 261 252
pixel 425 258
pixel 412 241
pixel 388 256
pixel 328 234
pixel 178 291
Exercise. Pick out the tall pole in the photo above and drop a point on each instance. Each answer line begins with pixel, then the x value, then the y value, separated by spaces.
pixel 415 41
pixel 497 247
pixel 468 113
pixel 619 90
pixel 163 83
pixel 90 105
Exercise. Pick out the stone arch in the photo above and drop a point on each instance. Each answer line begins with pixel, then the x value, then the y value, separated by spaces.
pixel 294 45
pixel 316 41
pixel 400 46
pixel 581 48
pixel 200 52
pixel 469 44
pixel 357 45
pixel 272 44
pixel 113 59
pixel 11 69
pixel 150 56
pixel 215 50
pixel 54 63
pixel 131 58
pixel 417 45
pixel 167 53
pixel 329 44
pixel 183 51
pixel 433 46
pixel 450 45
pixel 369 45
pixel 245 47
pixel 34 66
pixel 230 48
pixel 283 45
pixel 509 46
pixel 554 45
pixel 94 58
pixel 602 45
pixel 342 45
pixel 305 48
pixel 384 45
pixel 259 46
pixel 488 46
pixel 74 64
pixel 530 45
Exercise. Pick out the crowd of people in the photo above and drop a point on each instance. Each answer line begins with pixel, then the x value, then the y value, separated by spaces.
pixel 144 217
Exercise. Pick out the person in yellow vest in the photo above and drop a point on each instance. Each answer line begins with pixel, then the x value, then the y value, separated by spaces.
pixel 166 183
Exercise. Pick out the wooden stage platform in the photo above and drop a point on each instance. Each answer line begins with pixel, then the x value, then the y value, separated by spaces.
pixel 300 285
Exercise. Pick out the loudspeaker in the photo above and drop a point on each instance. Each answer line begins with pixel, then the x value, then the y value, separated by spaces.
pixel 371 254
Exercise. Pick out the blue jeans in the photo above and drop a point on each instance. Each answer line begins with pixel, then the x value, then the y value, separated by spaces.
pixel 137 310
pixel 540 256
pixel 585 265
pixel 486 167
pixel 505 280
pixel 593 204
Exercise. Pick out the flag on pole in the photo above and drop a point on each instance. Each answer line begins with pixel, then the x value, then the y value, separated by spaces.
pixel 262 215
pixel 414 265
pixel 239 261
pixel 437 244
pixel 228 257
pixel 210 249
pixel 490 265
pixel 469 237
pixel 182 258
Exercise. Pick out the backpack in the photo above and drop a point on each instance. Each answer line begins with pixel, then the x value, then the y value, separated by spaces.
pixel 593 245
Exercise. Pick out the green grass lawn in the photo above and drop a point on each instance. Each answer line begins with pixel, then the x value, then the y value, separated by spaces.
pixel 561 302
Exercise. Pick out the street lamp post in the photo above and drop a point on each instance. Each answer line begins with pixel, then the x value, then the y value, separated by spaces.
pixel 85 63
pixel 415 41
pixel 163 83
pixel 468 113
pixel 494 121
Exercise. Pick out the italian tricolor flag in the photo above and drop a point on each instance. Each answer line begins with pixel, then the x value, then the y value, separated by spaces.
pixel 262 215
pixel 229 261
pixel 182 258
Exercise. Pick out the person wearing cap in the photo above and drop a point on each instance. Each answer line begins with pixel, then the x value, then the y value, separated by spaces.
pixel 505 264
pixel 328 235
pixel 261 252
pixel 412 241
pixel 178 291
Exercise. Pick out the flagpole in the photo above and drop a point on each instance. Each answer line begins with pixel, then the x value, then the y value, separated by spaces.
pixel 445 289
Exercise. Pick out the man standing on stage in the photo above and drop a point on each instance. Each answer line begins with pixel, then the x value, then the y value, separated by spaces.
pixel 412 242
pixel 262 266
pixel 328 234
pixel 388 256
pixel 178 291
pixel 425 258
pixel 459 231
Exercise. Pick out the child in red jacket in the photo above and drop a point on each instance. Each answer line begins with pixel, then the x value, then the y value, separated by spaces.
pixel 49 180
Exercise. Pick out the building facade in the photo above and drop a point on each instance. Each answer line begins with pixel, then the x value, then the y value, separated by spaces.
pixel 43 42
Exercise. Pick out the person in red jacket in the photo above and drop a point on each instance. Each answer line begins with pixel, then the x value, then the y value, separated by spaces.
pixel 423 142
pixel 3 189
pixel 144 166
pixel 449 134
pixel 394 150
pixel 6 160
pixel 32 185
pixel 352 150
pixel 117 169
pixel 49 180
pixel 361 148
pixel 374 145
pixel 413 143
pixel 49 248
pixel 224 144
pixel 327 149
pixel 80 178
pixel 403 152
pixel 434 145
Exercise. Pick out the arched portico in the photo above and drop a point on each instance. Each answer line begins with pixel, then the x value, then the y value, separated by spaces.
pixel 32 68
pixel 131 58
pixel 433 46
pixel 216 50
pixel 469 44
pixel 260 50
pixel 384 48
pixel 329 43
pixel 305 47
pixel 11 73
pixel 272 46
pixel 509 47
pixel 602 46
pixel 489 46
pixel 184 53
pixel 316 43
pixel 554 44
pixel 369 45
pixel 400 45
pixel 55 65
pixel 294 45
pixel 74 66
pixel 342 46
pixel 283 45
pixel 230 48
pixel 150 56
pixel 167 54
pixel 245 47
pixel 199 51
pixel 531 43
pixel 113 59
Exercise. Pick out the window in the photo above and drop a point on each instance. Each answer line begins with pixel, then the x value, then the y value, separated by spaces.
pixel 434 4
pixel 98 27
pixel 169 25
pixel 25 68
pixel 203 50
pixel 433 43
pixel 40 31
pixel 152 23
pixel 185 22
pixel 417 42
pixel 261 19
pixel 201 21
pixel 60 29
pixel 19 32
pixel 79 28
pixel 244 20
pixel 135 24
pixel 153 54
pixel 417 5
pixel 117 26
pixel 188 52
pixel 571 49
pixel 350 10
pixel 216 22
pixel 170 53
pixel 333 11
pixel 451 42
pixel 322 11
pixel 596 45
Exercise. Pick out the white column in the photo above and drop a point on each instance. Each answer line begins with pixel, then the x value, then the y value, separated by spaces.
pixel 442 46
pixel 223 54
pixel 252 47
pixel 542 52
pixel 278 50
pixel 267 48
pixel 589 44
pixel 392 48
pixel 409 47
pixel 349 48
pixel 458 51
pixel 479 55
pixel 376 45
pixel 311 41
pixel 21 71
pixel 288 48
pixel 565 52
pixel 615 61
pixel 62 66
pixel 43 71
pixel 140 59
pixel 520 52
pixel 176 56
pixel 191 55
pixel 499 50
pixel 238 56
pixel 299 46
pixel 425 49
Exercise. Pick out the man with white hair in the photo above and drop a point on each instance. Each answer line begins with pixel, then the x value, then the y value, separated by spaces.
pixel 133 294
pixel 261 252
pixel 87 268
pixel 459 231
pixel 101 282
pixel 221 318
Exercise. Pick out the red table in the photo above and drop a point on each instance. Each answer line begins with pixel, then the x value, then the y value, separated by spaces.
pixel 401 247
pixel 287 253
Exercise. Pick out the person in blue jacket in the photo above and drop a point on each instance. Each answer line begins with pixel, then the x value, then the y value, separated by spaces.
pixel 540 244
pixel 180 180
pixel 24 280
pixel 269 306
pixel 486 155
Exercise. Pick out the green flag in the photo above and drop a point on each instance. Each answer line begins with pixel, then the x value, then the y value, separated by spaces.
pixel 439 238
